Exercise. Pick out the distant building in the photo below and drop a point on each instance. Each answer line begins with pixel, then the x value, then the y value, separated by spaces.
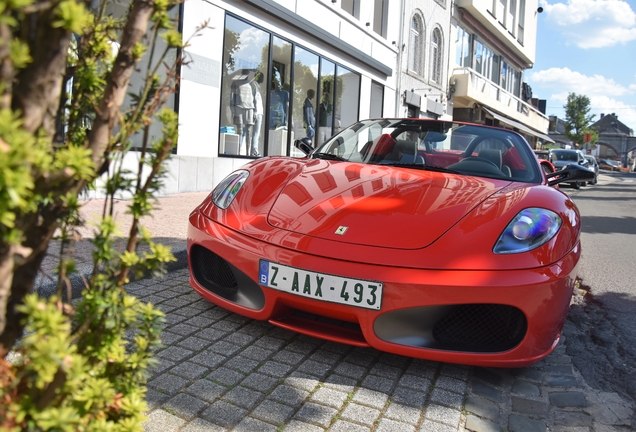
pixel 615 139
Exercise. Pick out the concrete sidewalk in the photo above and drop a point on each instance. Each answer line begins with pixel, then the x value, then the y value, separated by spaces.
pixel 220 371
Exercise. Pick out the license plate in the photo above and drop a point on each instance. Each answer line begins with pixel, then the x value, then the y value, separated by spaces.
pixel 320 286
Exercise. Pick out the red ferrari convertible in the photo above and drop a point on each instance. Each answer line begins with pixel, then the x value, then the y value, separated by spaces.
pixel 431 239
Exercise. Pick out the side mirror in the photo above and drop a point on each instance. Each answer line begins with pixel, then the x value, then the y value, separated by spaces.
pixel 570 173
pixel 303 146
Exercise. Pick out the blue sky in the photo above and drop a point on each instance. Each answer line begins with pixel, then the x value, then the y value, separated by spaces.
pixel 587 47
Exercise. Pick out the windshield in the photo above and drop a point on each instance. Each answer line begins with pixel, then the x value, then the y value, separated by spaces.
pixel 564 155
pixel 456 148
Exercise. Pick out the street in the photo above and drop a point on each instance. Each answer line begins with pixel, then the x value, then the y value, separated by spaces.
pixel 601 334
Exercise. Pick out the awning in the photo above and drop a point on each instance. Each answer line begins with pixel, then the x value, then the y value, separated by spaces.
pixel 518 125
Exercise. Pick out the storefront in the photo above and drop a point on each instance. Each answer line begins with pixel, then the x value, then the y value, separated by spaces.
pixel 261 76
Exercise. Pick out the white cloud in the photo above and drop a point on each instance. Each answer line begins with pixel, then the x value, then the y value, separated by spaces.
pixel 605 94
pixel 593 23
pixel 566 80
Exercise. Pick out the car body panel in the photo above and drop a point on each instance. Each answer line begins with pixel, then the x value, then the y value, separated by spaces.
pixel 426 236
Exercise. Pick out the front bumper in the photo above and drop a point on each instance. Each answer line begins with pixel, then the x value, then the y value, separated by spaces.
pixel 485 318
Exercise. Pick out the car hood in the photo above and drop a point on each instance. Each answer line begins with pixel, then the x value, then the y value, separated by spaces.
pixel 376 205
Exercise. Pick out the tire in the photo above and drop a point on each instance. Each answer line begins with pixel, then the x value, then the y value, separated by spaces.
pixel 576 185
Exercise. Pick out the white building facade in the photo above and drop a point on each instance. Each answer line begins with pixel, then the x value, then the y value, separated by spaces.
pixel 494 42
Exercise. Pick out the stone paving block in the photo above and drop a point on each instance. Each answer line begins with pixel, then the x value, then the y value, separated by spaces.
pixel 243 397
pixel 184 329
pixel 482 407
pixel 568 399
pixel 249 424
pixel 394 360
pixel 371 398
pixel 160 367
pixel 432 426
pixel 488 376
pixel 270 343
pixel 257 353
pixel 288 395
pixel 168 383
pixel 188 311
pixel 316 414
pixel 200 425
pixel 561 381
pixel 559 358
pixel 529 406
pixel 240 339
pixel 161 421
pixel 476 424
pixel 155 398
pixel 350 370
pixel 169 338
pixel 206 390
pixel 525 388
pixel 388 425
pixel 304 347
pixel 450 383
pixel 531 373
pixel 172 319
pixel 517 423
pixel 275 369
pixel 415 382
pixel 289 357
pixel 340 383
pixel 314 368
pixel 208 359
pixel 361 357
pixel 225 376
pixel 403 413
pixel 442 414
pixel 273 412
pixel 374 382
pixel 360 414
pixel 189 370
pixel 572 418
pixel 325 356
pixel 226 325
pixel 185 406
pixel 299 426
pixel 224 348
pixel 447 398
pixel 302 381
pixel 175 353
pixel 194 343
pixel 260 382
pixel 409 397
pixel 345 426
pixel 211 334
pixel 242 364
pixel 386 371
pixel 458 372
pixel 329 397
pixel 223 414
pixel 558 369
pixel 423 368
pixel 201 321
pixel 486 391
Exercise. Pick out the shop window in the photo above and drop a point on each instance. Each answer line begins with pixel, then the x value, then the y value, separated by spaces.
pixel 279 97
pixel 305 95
pixel 347 99
pixel 377 100
pixel 325 108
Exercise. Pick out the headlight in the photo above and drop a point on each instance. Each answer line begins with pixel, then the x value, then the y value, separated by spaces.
pixel 226 191
pixel 528 230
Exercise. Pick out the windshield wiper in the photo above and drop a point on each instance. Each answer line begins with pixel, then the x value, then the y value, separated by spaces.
pixel 327 156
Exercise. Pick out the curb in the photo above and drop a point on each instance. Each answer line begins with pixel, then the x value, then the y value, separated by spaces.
pixel 46 288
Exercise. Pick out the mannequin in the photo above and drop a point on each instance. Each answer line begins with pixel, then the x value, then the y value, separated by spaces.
pixel 324 122
pixel 258 112
pixel 279 101
pixel 242 105
pixel 309 117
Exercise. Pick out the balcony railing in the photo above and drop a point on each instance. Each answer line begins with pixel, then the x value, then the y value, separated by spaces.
pixel 471 86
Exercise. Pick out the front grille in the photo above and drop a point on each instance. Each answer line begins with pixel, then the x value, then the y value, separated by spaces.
pixel 481 328
pixel 212 272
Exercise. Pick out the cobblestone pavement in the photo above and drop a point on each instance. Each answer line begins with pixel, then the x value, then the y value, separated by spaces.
pixel 220 371
pixel 223 372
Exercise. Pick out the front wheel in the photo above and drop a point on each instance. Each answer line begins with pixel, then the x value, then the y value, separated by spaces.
pixel 576 185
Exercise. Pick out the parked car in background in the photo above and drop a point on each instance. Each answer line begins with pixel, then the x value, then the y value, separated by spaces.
pixel 436 240
pixel 607 164
pixel 560 158
pixel 593 165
